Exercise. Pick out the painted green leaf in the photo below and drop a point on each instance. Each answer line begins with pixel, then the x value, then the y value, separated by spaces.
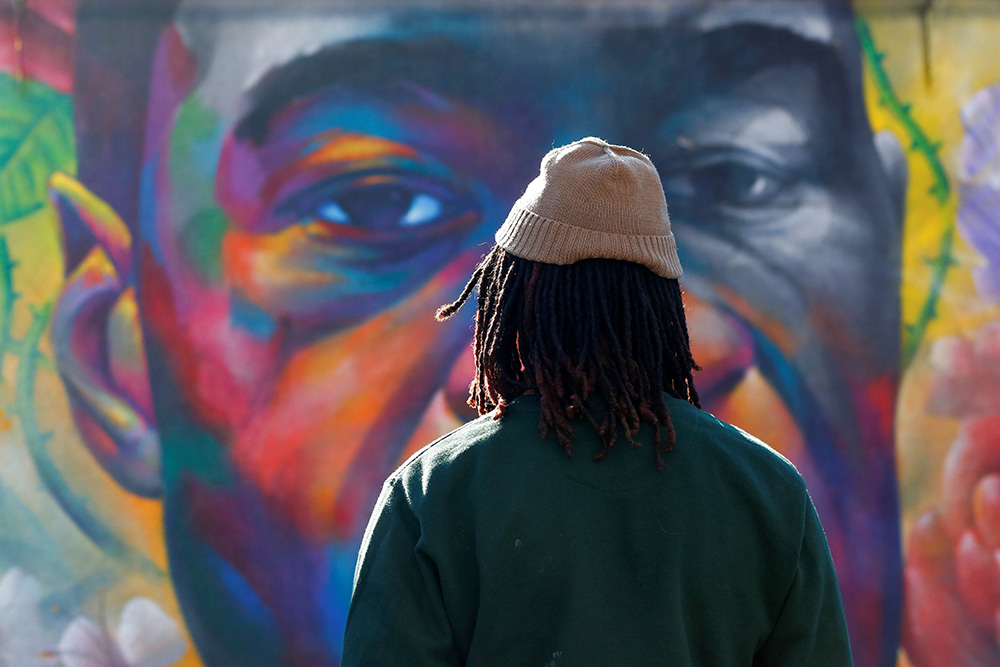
pixel 36 138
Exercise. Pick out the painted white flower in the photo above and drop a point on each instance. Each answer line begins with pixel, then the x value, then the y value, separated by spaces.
pixel 146 637
pixel 24 642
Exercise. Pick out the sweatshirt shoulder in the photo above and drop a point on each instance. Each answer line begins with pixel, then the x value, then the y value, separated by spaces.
pixel 732 447
pixel 447 451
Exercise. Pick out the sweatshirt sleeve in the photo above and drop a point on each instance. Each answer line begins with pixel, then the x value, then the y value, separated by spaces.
pixel 397 614
pixel 811 628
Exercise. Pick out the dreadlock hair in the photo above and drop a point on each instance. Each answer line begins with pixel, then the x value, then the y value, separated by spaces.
pixel 601 326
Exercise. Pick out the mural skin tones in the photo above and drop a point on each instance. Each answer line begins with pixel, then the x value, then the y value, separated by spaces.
pixel 313 185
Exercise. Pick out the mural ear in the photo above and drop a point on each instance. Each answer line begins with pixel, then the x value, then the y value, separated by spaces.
pixel 98 341
pixel 893 159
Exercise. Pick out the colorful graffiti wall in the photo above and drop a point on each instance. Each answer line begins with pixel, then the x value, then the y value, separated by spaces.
pixel 225 227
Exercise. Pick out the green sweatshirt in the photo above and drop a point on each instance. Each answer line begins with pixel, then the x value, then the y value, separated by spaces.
pixel 493 547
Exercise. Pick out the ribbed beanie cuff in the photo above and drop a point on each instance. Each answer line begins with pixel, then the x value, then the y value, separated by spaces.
pixel 530 236
pixel 592 200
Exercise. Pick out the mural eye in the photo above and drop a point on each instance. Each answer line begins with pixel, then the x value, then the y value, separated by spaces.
pixel 384 206
pixel 724 183
pixel 332 212
pixel 423 209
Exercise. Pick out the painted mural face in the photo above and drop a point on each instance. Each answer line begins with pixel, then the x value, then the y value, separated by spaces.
pixel 314 186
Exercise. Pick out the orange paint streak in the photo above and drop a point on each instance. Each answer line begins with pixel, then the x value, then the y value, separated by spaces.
pixel 352 148
pixel 259 264
pixel 755 407
pixel 719 343
pixel 95 270
pixel 341 152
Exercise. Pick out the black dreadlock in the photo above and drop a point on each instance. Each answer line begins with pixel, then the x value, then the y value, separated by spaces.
pixel 606 326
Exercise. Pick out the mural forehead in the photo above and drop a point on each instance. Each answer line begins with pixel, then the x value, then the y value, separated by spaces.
pixel 249 37
pixel 776 6
pixel 235 54
pixel 212 384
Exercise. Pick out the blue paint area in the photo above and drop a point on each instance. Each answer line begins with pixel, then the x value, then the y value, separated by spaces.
pixel 232 626
pixel 350 113
pixel 252 319
pixel 148 201
pixel 795 394
pixel 241 593
pixel 337 593
pixel 205 154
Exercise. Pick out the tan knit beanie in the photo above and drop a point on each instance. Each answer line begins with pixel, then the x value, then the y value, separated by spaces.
pixel 593 199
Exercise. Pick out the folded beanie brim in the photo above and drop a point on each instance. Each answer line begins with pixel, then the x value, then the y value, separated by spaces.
pixel 530 236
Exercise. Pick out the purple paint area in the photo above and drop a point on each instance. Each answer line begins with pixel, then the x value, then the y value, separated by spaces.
pixel 979 186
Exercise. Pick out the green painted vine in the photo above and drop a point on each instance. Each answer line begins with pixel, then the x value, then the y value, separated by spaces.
pixel 914 332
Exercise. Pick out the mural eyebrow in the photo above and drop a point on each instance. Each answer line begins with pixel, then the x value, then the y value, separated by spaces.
pixel 726 54
pixel 368 65
pixel 773 45
pixel 689 64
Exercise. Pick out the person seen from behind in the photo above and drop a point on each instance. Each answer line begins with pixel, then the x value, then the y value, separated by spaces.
pixel 594 514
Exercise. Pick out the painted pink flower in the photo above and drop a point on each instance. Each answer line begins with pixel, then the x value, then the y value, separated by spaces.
pixel 952 573
pixel 966 381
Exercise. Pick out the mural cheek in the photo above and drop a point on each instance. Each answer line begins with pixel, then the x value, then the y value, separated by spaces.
pixel 320 280
pixel 276 271
pixel 218 365
pixel 321 445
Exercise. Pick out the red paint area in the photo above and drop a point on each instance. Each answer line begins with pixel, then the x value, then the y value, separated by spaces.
pixel 876 405
pixel 37 42
pixel 198 345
